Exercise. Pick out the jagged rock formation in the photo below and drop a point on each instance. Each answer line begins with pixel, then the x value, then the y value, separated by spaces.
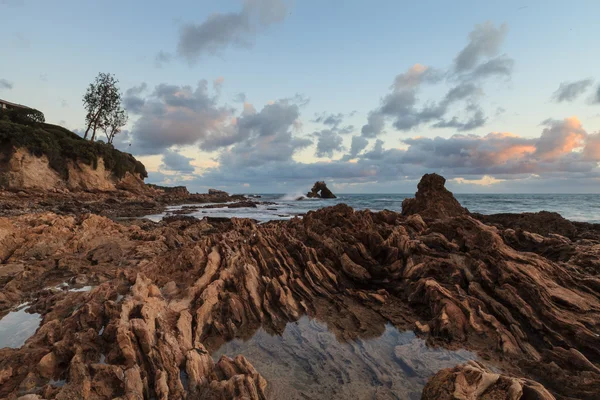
pixel 166 294
pixel 474 381
pixel 433 200
pixel 132 198
pixel 320 190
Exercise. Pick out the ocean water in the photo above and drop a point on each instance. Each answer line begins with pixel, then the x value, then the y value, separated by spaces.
pixel 576 207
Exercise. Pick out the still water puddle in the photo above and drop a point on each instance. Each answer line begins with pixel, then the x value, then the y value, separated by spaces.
pixel 308 362
pixel 17 326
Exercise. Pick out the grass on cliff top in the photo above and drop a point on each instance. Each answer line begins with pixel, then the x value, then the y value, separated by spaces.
pixel 60 145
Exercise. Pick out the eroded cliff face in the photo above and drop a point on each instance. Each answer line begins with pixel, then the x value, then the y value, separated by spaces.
pixel 165 294
pixel 24 170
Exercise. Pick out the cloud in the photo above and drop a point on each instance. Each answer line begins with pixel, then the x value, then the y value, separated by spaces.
pixel 459 108
pixel 476 120
pixel 240 98
pixel 173 115
pixel 328 143
pixel 174 161
pixel 274 120
pixel 591 151
pixel 596 98
pixel 161 58
pixel 218 83
pixel 484 41
pixel 236 29
pixel 560 137
pixel 132 101
pixel 259 138
pixel 359 143
pixel 374 126
pixel 330 119
pixel 5 85
pixel 569 91
pixel 562 151
pixel 500 66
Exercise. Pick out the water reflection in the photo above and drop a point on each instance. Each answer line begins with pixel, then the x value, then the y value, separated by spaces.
pixel 17 326
pixel 307 361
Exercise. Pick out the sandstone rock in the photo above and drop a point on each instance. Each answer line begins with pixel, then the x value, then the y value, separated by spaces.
pixel 472 381
pixel 48 365
pixel 433 200
pixel 459 282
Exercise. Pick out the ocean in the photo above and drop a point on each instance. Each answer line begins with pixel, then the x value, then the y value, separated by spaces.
pixel 576 207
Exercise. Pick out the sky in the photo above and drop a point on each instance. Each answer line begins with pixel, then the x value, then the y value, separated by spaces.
pixel 268 96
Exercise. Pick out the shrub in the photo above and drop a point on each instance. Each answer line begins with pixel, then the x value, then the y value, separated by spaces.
pixel 23 116
pixel 60 145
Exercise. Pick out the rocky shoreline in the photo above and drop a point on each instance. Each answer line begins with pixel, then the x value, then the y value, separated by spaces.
pixel 137 201
pixel 521 291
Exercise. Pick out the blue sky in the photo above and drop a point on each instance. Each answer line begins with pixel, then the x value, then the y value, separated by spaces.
pixel 304 59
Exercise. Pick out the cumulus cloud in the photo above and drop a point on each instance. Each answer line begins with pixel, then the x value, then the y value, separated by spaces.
pixel 562 150
pixel 5 85
pixel 236 29
pixel 132 101
pixel 173 115
pixel 359 143
pixel 174 161
pixel 328 143
pixel 560 137
pixel 259 138
pixel 472 66
pixel 569 91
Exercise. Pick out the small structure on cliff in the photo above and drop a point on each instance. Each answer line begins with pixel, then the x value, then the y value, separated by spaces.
pixel 433 200
pixel 321 191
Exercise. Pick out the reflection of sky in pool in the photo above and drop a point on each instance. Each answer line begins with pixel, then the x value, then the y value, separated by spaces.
pixel 308 362
pixel 17 326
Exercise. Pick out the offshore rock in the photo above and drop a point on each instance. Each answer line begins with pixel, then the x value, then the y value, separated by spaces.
pixel 321 191
pixel 433 200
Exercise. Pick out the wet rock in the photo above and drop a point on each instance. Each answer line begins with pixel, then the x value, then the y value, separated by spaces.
pixel 320 190
pixel 473 381
pixel 433 200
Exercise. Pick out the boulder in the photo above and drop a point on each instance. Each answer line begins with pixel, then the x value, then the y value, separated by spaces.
pixel 474 381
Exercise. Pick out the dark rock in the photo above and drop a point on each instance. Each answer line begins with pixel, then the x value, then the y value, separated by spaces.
pixel 433 200
pixel 321 191
pixel 215 192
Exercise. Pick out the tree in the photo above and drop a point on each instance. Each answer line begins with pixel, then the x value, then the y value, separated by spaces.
pixel 101 100
pixel 113 124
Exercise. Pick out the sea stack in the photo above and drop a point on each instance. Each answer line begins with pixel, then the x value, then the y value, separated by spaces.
pixel 433 200
pixel 320 191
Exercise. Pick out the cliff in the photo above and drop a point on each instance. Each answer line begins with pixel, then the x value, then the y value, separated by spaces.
pixel 50 157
